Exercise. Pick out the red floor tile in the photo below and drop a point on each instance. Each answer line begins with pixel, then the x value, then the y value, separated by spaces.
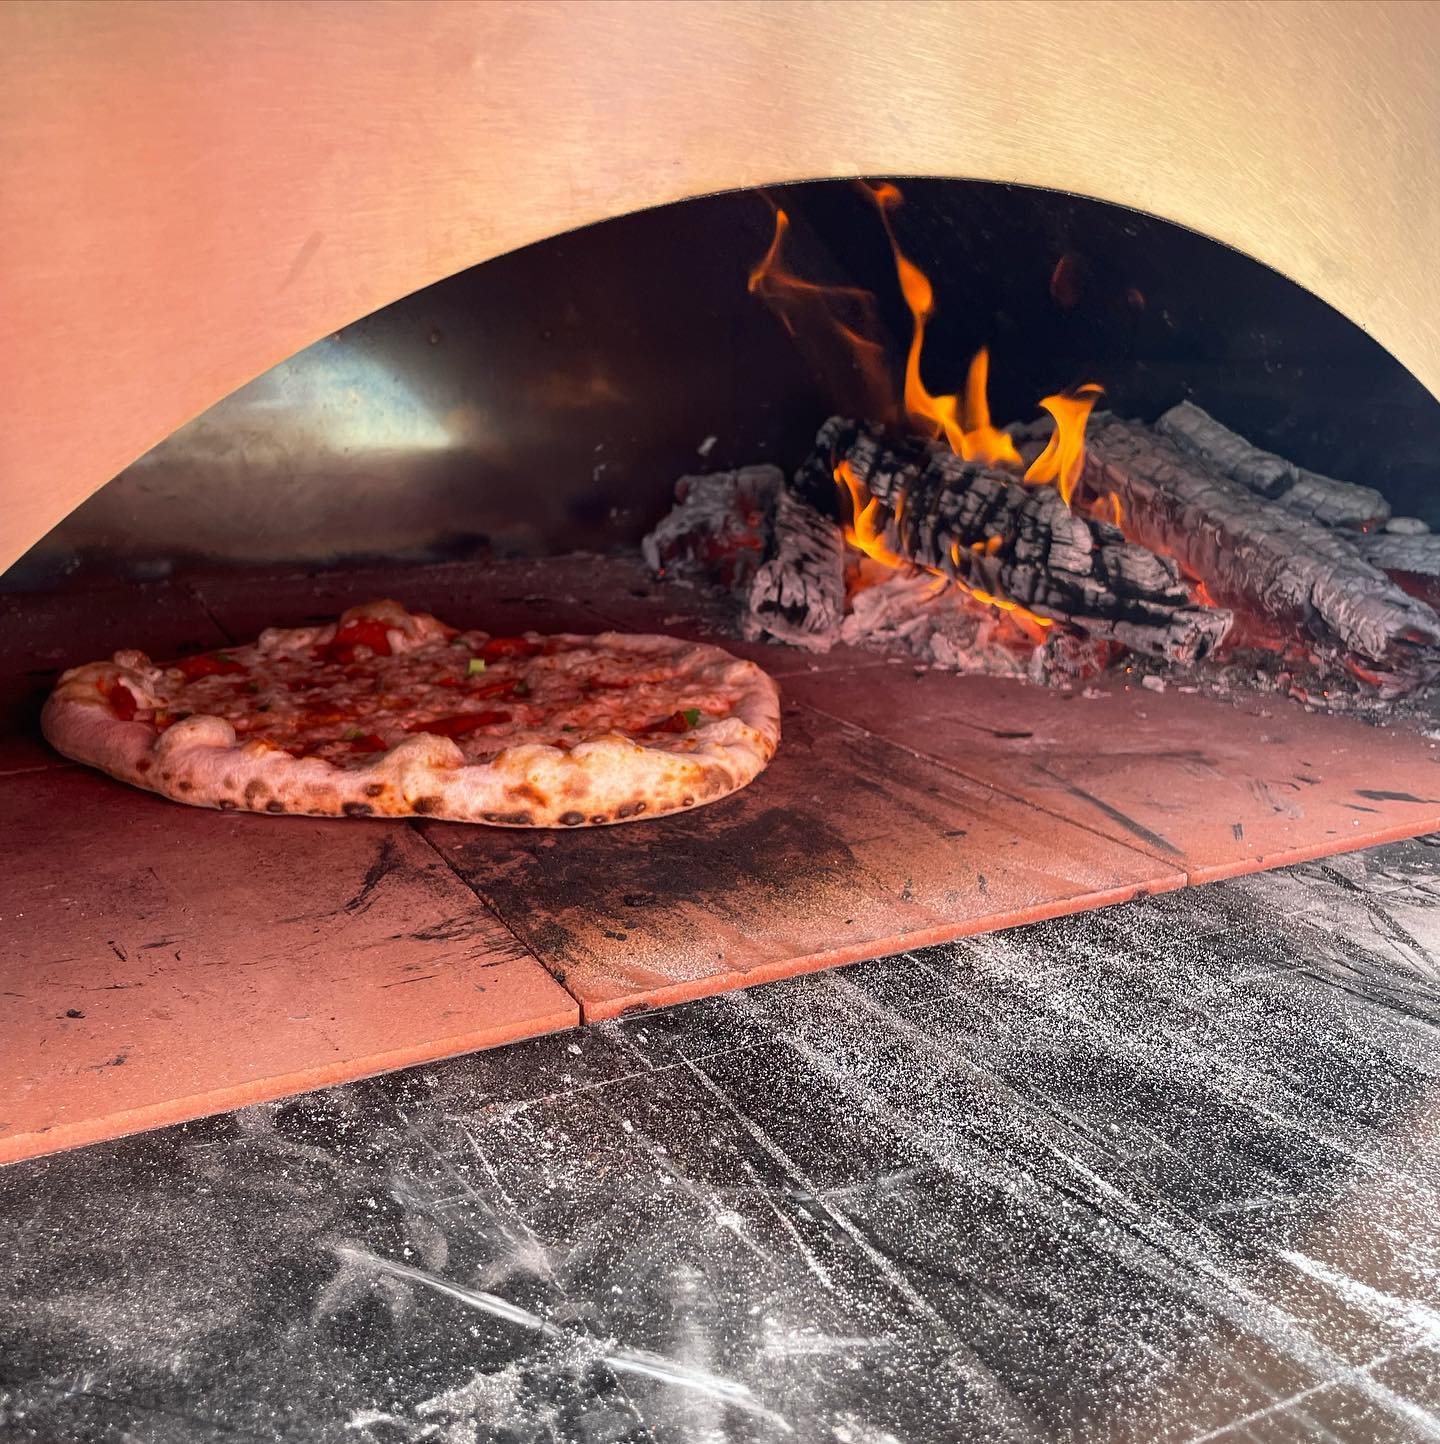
pixel 1216 788
pixel 846 847
pixel 160 962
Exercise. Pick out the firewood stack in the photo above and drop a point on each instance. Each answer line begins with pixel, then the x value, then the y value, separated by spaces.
pixel 1214 530
pixel 1291 576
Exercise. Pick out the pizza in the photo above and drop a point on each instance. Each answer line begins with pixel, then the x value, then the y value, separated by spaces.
pixel 392 713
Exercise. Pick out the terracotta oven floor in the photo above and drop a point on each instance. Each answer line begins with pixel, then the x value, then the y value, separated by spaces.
pixel 159 963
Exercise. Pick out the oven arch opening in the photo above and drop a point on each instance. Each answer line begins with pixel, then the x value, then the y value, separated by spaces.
pixel 546 400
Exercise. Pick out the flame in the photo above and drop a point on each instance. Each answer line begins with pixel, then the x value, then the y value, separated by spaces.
pixel 865 535
pixel 1064 456
pixel 966 426
pixel 807 309
pixel 1108 508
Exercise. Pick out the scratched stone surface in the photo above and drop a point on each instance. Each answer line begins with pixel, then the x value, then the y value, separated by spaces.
pixel 1165 1172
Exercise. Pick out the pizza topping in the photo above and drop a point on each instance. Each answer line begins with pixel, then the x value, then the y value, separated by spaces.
pixel 122 701
pixel 460 724
pixel 208 664
pixel 358 632
pixel 685 720
pixel 498 648
pixel 373 680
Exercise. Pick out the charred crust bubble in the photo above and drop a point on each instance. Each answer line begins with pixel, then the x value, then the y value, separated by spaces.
pixel 254 790
pixel 274 805
pixel 571 819
pixel 227 804
pixel 374 789
pixel 357 809
pixel 510 819
pixel 687 802
pixel 599 818
pixel 185 786
pixel 426 805
pixel 630 809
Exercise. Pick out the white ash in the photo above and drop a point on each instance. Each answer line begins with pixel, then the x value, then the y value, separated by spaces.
pixel 1406 526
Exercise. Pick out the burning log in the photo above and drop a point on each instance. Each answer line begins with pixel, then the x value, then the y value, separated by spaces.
pixel 1276 567
pixel 1011 544
pixel 798 594
pixel 1322 498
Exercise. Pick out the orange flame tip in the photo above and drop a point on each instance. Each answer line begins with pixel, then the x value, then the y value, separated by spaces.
pixel 1063 459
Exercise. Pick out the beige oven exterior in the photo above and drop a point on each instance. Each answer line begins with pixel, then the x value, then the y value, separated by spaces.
pixel 191 192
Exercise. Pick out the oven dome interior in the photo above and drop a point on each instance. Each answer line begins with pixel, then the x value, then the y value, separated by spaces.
pixel 547 400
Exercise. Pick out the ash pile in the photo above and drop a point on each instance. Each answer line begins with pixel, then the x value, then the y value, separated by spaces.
pixel 1187 552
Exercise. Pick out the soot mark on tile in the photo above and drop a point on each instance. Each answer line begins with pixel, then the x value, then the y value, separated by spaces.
pixel 561 891
pixel 387 860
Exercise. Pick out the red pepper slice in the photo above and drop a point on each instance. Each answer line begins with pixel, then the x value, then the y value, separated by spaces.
pixel 496 689
pixel 498 648
pixel 461 723
pixel 122 700
pixel 208 664
pixel 675 722
pixel 361 632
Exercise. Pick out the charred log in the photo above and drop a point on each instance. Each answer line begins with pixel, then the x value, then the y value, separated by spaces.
pixel 719 527
pixel 1022 543
pixel 1321 498
pixel 1272 565
pixel 1411 559
pixel 798 593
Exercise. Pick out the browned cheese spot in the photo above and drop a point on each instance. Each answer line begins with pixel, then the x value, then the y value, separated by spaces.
pixel 185 786
pixel 357 809
pixel 254 790
pixel 143 765
pixel 526 792
pixel 374 789
pixel 426 805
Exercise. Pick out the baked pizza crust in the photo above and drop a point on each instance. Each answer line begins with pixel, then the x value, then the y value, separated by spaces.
pixel 612 778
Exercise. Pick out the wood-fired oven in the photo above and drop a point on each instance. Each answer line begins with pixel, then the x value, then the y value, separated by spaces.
pixel 704 319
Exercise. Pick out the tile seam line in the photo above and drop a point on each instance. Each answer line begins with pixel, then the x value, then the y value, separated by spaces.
pixel 950 767
pixel 526 950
